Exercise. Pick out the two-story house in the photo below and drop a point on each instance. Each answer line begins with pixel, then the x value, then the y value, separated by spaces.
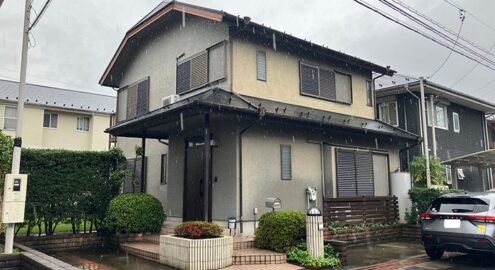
pixel 230 112
pixel 56 118
pixel 456 128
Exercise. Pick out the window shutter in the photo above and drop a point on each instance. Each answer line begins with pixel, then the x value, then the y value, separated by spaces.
pixel 343 85
pixel 286 162
pixel 46 120
pixel 309 80
pixel 327 84
pixel 261 65
pixel 131 101
pixel 183 77
pixel 199 70
pixel 216 63
pixel 364 173
pixel 122 105
pixel 346 173
pixel 142 97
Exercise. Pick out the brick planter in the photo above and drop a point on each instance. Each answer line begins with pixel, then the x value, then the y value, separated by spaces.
pixel 196 254
pixel 411 231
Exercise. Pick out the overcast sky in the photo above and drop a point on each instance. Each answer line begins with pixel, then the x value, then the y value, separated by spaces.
pixel 76 39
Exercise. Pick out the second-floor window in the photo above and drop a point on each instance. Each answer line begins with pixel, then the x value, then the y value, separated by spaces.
pixel 456 123
pixel 133 100
pixel 261 65
pixel 388 113
pixel 201 69
pixel 440 116
pixel 82 123
pixel 50 120
pixel 326 84
pixel 10 118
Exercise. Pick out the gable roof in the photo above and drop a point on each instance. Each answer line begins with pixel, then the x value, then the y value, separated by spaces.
pixel 388 86
pixel 240 25
pixel 58 97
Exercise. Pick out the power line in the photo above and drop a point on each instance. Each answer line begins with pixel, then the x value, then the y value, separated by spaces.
pixel 399 22
pixel 471 70
pixel 450 31
pixel 450 53
pixel 38 17
pixel 438 32
pixel 457 6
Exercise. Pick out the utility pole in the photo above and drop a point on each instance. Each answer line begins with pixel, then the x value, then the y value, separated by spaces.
pixel 425 131
pixel 16 157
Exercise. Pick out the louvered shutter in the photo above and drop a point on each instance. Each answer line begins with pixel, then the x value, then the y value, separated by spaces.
pixel 286 162
pixel 261 65
pixel 216 63
pixel 142 97
pixel 346 173
pixel 199 70
pixel 309 80
pixel 183 77
pixel 343 88
pixel 327 84
pixel 364 173
pixel 131 101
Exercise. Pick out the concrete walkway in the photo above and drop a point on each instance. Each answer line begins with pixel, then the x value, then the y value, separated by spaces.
pixel 282 266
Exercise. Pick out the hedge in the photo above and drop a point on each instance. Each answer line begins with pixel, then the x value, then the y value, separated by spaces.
pixel 135 213
pixel 70 186
pixel 281 230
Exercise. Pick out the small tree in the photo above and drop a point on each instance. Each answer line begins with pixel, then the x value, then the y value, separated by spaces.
pixel 418 171
pixel 6 148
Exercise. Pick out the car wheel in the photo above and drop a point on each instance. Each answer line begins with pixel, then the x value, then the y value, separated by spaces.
pixel 434 253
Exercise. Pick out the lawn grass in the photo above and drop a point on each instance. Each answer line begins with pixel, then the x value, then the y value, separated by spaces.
pixel 61 228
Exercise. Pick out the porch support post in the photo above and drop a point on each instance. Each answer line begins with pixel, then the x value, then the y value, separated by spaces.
pixel 207 170
pixel 453 169
pixel 143 165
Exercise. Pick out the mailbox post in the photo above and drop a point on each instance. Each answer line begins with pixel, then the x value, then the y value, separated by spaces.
pixel 273 203
pixel 314 233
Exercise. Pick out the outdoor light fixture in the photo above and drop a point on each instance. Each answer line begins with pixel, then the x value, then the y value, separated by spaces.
pixel 232 223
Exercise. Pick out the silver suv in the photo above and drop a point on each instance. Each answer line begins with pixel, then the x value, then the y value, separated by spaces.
pixel 463 222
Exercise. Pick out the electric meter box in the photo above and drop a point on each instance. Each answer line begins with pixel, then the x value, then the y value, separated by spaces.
pixel 14 198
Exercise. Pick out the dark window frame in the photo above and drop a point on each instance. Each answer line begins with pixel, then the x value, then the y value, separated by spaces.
pixel 164 166
pixel 302 93
pixel 282 175
pixel 126 88
pixel 50 120
pixel 369 93
pixel 208 82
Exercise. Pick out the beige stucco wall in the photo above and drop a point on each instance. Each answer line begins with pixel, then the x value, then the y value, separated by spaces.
pixel 65 136
pixel 282 82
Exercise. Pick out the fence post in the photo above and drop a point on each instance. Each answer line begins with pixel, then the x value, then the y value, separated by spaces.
pixel 314 233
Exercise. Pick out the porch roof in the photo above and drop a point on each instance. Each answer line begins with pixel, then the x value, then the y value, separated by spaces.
pixel 221 100
pixel 482 159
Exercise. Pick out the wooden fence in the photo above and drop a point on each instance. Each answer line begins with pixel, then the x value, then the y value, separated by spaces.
pixel 358 210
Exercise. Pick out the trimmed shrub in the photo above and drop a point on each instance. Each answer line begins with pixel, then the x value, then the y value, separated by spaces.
pixel 135 213
pixel 300 255
pixel 70 187
pixel 418 171
pixel 281 230
pixel 198 230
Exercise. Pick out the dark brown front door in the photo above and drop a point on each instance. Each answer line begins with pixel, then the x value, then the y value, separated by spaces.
pixel 194 184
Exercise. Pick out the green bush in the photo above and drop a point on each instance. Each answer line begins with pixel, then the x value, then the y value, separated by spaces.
pixel 300 255
pixel 70 187
pixel 280 230
pixel 422 198
pixel 198 230
pixel 135 213
pixel 336 228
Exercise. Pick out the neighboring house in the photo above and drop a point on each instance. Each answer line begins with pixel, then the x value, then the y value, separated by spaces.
pixel 57 118
pixel 230 112
pixel 460 126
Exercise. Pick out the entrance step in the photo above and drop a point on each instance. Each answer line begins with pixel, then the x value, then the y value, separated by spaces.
pixel 243 242
pixel 151 238
pixel 146 250
pixel 169 225
pixel 257 256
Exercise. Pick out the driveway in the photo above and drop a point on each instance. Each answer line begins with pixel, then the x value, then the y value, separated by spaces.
pixel 457 261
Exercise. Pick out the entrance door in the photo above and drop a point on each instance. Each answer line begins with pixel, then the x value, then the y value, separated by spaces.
pixel 193 205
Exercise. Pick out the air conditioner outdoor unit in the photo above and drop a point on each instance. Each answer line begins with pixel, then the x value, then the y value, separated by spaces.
pixel 170 100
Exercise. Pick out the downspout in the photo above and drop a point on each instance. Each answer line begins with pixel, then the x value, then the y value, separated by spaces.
pixel 241 222
pixel 143 164
pixel 433 125
pixel 424 126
